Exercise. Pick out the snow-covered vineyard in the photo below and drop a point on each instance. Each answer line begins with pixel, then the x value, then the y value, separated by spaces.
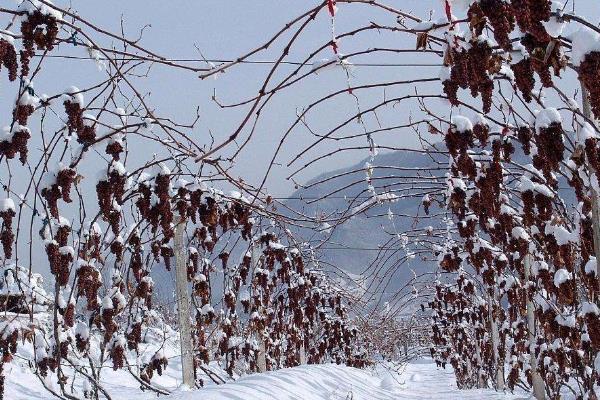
pixel 326 199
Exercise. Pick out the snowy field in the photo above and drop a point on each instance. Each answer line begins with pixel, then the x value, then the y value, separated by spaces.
pixel 418 381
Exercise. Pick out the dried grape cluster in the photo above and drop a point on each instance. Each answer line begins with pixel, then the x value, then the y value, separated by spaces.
pixel 17 143
pixel 471 68
pixel 6 234
pixel 500 15
pixel 8 347
pixel 8 58
pixel 530 14
pixel 524 79
pixel 114 148
pixel 285 320
pixel 89 282
pixel 59 256
pixel 589 73
pixel 110 191
pixel 542 56
pixel 22 112
pixel 60 189
pixel 83 124
pixel 39 30
pixel 549 142
pixel 459 314
pixel 473 64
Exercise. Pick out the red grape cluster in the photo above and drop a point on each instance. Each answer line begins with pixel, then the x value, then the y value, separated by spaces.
pixel 17 144
pixel 8 58
pixel 589 74
pixel 470 69
pixel 530 14
pixel 6 235
pixel 32 29
pixel 501 18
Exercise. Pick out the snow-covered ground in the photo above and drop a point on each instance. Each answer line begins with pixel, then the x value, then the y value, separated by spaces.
pixel 419 381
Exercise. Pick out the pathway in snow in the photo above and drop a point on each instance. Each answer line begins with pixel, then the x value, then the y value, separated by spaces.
pixel 420 381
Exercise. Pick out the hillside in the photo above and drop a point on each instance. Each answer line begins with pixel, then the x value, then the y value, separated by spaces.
pixel 354 244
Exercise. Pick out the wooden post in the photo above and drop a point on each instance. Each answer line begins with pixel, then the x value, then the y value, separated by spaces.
pixel 587 112
pixel 261 361
pixel 302 355
pixel 496 344
pixel 539 392
pixel 183 306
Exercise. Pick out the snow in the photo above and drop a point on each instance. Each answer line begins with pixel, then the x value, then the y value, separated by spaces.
pixel 330 63
pixel 276 246
pixel 377 199
pixel 566 320
pixel 6 205
pixel 586 132
pixel 107 303
pixel 561 276
pixel 507 72
pixel 235 195
pixel 420 380
pixel 163 169
pixel 573 105
pixel 561 234
pixel 117 167
pixel 82 330
pixel 463 124
pixel 554 26
pixel 526 184
pixel 27 99
pixel 30 6
pixel 547 117
pixel 7 35
pixel 584 41
pixel 74 95
pixel 67 250
pixel 591 266
pixel 423 26
pixel 206 309
pixel 589 308
pixel 33 285
pixel 519 233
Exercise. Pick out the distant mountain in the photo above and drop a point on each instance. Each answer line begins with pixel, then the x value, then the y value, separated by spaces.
pixel 363 233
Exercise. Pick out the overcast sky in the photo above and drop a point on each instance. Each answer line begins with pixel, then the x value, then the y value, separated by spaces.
pixel 225 29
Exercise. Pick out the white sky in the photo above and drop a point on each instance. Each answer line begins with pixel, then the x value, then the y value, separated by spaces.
pixel 225 29
pixel 228 28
